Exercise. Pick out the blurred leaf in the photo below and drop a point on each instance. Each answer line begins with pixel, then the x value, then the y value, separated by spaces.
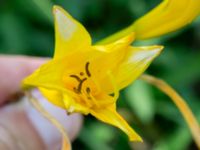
pixel 187 70
pixel 75 8
pixel 12 33
pixel 45 7
pixel 137 7
pixel 141 100
pixel 179 140
pixel 97 136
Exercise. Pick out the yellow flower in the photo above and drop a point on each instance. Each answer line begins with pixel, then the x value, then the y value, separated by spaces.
pixel 87 79
pixel 169 16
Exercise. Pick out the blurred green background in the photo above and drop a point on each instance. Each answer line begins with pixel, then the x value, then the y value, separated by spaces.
pixel 26 27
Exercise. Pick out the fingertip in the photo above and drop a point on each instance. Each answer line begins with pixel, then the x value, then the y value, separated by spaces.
pixel 13 70
pixel 30 64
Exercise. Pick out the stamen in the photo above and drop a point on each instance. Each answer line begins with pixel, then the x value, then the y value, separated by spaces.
pixel 76 77
pixel 79 88
pixel 85 99
pixel 81 73
pixel 93 99
pixel 87 69
pixel 76 91
pixel 81 84
pixel 116 90
pixel 88 92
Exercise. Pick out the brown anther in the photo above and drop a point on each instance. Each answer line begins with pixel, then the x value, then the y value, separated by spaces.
pixel 87 69
pixel 81 73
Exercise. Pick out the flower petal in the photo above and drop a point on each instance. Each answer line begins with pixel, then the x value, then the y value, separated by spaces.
pixel 135 63
pixel 113 53
pixel 48 75
pixel 71 105
pixel 70 34
pixel 63 100
pixel 111 57
pixel 53 96
pixel 169 16
pixel 118 44
pixel 110 116
pixel 48 79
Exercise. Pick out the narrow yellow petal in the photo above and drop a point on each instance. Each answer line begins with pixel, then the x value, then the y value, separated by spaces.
pixel 110 116
pixel 169 16
pixel 70 34
pixel 179 102
pixel 135 63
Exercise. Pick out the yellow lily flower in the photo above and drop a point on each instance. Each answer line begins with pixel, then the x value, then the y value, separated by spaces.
pixel 87 79
pixel 168 16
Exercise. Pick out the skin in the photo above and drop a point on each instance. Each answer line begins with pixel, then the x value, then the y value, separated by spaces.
pixel 16 129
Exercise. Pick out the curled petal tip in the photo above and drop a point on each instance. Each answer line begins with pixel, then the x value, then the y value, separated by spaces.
pixel 151 52
pixel 159 48
pixel 56 8
pixel 156 50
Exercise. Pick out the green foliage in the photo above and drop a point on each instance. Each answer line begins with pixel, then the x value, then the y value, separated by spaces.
pixel 26 27
pixel 142 102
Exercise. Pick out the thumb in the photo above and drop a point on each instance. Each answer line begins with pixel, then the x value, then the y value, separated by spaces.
pixel 13 70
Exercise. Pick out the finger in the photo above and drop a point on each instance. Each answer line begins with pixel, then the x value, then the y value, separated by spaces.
pixel 48 132
pixel 22 127
pixel 12 71
pixel 16 131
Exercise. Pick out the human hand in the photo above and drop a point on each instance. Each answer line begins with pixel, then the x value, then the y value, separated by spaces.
pixel 21 126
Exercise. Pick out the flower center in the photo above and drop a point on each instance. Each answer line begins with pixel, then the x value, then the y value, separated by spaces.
pixel 88 89
pixel 78 89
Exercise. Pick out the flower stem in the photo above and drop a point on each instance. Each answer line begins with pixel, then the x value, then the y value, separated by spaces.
pixel 66 142
pixel 179 102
